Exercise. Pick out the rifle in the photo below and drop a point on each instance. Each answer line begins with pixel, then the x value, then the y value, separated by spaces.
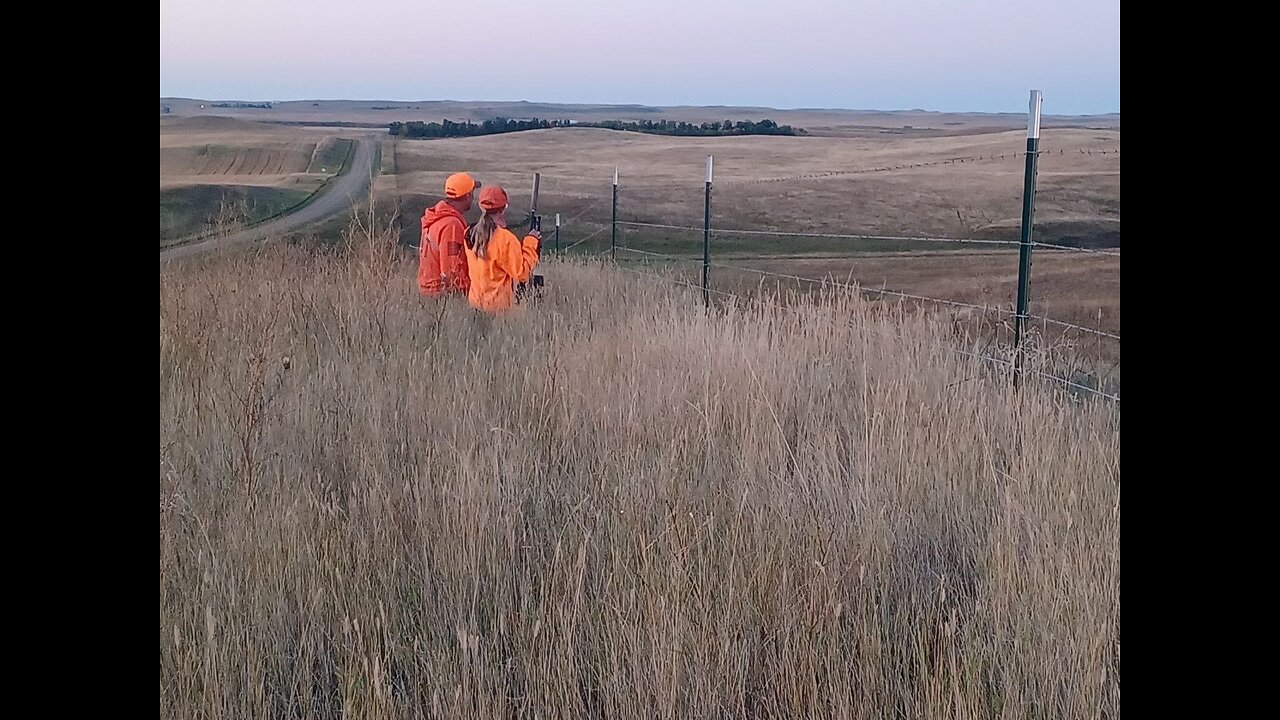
pixel 535 223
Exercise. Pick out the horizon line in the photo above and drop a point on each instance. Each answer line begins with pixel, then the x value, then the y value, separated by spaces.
pixel 639 105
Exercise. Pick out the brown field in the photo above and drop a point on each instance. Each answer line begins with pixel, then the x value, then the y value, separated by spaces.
pixel 825 185
pixel 805 501
pixel 218 175
pixel 617 505
pixel 223 151
pixel 1077 203
pixel 1066 287
pixel 661 179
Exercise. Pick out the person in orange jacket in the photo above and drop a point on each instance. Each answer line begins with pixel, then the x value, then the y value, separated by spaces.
pixel 442 264
pixel 496 260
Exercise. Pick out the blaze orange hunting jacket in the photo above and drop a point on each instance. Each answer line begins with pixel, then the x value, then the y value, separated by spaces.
pixel 507 261
pixel 442 265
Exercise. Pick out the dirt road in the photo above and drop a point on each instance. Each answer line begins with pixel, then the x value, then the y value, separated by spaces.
pixel 346 189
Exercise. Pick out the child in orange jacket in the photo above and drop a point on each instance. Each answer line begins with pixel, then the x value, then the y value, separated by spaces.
pixel 496 260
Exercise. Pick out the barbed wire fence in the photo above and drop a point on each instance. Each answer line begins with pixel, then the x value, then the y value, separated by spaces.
pixel 831 282
pixel 996 361
pixel 1023 319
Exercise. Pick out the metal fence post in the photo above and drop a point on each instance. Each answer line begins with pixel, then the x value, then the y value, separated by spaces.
pixel 613 238
pixel 1024 248
pixel 706 241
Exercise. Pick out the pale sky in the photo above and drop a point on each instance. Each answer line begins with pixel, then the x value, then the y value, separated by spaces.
pixel 947 55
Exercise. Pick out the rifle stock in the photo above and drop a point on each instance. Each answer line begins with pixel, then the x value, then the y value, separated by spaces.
pixel 535 223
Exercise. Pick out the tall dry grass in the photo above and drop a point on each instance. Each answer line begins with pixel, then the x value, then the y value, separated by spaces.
pixel 616 506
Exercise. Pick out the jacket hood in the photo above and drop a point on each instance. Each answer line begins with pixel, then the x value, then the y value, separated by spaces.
pixel 441 211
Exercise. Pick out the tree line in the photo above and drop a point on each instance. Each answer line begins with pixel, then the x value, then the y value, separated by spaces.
pixel 706 129
pixel 495 126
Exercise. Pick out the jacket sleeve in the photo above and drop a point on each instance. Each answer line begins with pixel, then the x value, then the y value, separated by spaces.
pixel 453 261
pixel 518 259
pixel 428 264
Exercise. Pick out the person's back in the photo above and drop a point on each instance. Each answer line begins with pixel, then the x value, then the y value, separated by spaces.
pixel 496 259
pixel 442 263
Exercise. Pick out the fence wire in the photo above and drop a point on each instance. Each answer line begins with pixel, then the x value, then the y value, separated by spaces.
pixel 836 282
pixel 729 232
pixel 985 358
pixel 999 312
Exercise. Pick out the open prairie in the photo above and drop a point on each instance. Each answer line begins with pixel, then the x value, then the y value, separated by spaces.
pixel 908 195
pixel 819 496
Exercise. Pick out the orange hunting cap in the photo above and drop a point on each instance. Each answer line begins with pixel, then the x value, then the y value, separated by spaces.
pixel 458 185
pixel 493 198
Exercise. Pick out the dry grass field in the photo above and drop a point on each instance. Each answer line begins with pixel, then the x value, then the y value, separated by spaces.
pixel 614 505
pixel 1066 287
pixel 808 501
pixel 661 180
pixel 223 151
pixel 821 185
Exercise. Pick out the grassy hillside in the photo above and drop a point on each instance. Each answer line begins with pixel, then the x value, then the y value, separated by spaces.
pixel 825 185
pixel 617 505
pixel 194 209
pixel 218 174
pixel 330 155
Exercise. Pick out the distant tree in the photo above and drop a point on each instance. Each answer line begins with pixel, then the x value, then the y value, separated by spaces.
pixel 493 126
